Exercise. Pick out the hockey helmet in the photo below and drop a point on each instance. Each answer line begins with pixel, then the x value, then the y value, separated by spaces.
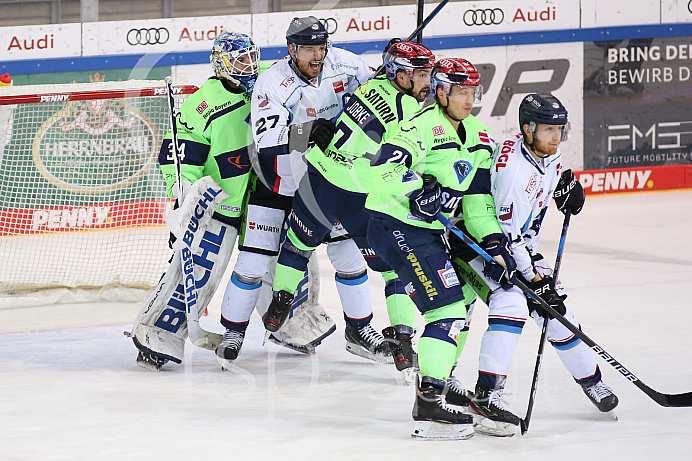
pixel 306 31
pixel 226 54
pixel 456 71
pixel 543 108
pixel 407 56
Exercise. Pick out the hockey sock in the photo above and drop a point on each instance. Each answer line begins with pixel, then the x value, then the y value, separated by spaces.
pixel 437 348
pixel 401 309
pixel 497 349
pixel 287 278
pixel 355 297
pixel 577 357
pixel 238 301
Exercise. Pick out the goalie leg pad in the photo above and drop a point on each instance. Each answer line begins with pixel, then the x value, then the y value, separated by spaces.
pixel 161 325
pixel 308 323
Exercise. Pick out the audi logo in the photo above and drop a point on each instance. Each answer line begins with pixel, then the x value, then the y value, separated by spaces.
pixel 484 17
pixel 330 24
pixel 151 36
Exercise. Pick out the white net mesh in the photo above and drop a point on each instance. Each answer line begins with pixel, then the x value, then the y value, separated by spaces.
pixel 82 200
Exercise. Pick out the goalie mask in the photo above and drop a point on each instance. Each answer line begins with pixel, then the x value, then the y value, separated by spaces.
pixel 235 57
pixel 546 109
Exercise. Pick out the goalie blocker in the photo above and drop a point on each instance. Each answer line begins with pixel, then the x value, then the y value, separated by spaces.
pixel 160 328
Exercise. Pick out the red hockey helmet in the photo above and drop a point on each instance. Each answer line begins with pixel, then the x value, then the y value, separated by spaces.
pixel 407 56
pixel 456 71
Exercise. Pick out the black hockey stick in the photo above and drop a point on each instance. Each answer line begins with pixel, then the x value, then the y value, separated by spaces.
pixel 665 400
pixel 524 423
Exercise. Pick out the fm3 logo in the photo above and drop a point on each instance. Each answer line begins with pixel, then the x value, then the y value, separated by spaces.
pixel 519 82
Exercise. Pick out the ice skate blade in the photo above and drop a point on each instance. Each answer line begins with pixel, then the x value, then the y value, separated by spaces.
pixel 360 351
pixel 308 349
pixel 148 364
pixel 430 430
pixel 410 375
pixel 267 334
pixel 487 426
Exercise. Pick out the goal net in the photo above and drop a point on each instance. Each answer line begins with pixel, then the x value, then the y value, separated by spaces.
pixel 82 201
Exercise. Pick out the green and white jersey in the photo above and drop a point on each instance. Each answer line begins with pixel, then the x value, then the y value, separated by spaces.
pixel 215 140
pixel 370 116
pixel 427 143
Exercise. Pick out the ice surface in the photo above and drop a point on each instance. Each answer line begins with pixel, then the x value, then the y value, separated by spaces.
pixel 70 388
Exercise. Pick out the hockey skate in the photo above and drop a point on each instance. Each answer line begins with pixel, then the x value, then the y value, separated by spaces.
pixel 600 395
pixel 230 345
pixel 150 360
pixel 366 342
pixel 491 417
pixel 456 394
pixel 434 418
pixel 399 341
pixel 278 311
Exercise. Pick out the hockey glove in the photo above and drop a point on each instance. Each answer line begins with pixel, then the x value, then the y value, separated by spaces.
pixel 322 132
pixel 569 194
pixel 545 289
pixel 424 203
pixel 506 263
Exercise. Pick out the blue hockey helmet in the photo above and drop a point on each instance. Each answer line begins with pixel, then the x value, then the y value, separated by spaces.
pixel 543 108
pixel 235 57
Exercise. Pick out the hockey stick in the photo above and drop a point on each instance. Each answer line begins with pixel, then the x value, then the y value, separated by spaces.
pixel 665 400
pixel 524 423
pixel 198 336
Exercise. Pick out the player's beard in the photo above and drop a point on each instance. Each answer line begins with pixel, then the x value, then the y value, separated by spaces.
pixel 544 149
pixel 309 69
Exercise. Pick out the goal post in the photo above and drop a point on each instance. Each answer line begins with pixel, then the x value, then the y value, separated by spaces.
pixel 82 200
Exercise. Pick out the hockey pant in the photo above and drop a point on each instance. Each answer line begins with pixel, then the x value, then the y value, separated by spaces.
pixel 161 326
pixel 419 258
pixel 251 282
pixel 508 312
pixel 320 207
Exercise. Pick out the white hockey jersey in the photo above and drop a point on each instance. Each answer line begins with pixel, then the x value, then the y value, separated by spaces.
pixel 523 189
pixel 281 98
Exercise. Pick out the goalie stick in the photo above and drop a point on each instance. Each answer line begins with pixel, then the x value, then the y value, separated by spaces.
pixel 524 423
pixel 665 400
pixel 198 336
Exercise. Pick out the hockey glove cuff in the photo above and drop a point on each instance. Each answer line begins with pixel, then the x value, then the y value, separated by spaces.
pixel 545 288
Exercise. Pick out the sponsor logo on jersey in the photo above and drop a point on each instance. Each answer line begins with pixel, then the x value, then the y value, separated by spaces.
pixel 238 161
pixel 263 101
pixel 311 112
pixel 485 137
pixel 438 130
pixel 409 176
pixel 232 209
pixel 338 86
pixel 306 230
pixel 462 168
pixel 202 107
pixel 430 290
pixel 263 227
pixel 410 289
pixel 506 212
pixel 531 186
pixel 287 82
pixel 448 276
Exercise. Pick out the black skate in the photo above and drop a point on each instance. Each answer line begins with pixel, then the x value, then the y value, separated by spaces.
pixel 456 394
pixel 150 360
pixel 278 310
pixel 399 340
pixel 600 395
pixel 491 416
pixel 366 342
pixel 230 345
pixel 434 418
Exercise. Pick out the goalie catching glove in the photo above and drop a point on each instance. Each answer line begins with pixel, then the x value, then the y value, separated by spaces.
pixel 569 194
pixel 495 271
pixel 545 288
